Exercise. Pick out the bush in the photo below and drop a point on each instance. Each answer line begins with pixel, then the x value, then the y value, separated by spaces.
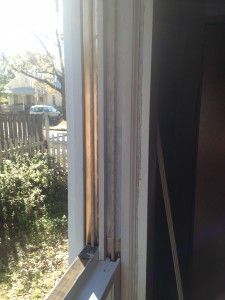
pixel 31 187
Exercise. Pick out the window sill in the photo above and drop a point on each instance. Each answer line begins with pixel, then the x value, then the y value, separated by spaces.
pixel 87 278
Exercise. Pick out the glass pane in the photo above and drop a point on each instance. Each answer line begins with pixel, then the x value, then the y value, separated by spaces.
pixel 33 177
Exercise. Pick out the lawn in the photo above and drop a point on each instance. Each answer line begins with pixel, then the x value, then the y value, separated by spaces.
pixel 33 227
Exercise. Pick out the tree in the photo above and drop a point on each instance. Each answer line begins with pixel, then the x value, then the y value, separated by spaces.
pixel 45 67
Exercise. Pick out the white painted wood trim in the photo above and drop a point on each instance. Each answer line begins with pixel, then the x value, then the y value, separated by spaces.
pixel 74 106
pixel 134 67
pixel 143 179
pixel 101 125
pixel 124 83
pixel 134 163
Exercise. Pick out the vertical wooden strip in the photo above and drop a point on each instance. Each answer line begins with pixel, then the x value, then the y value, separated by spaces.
pixel 15 131
pixel 89 34
pixel 1 154
pixel 94 235
pixel 10 128
pixel 40 133
pixel 50 151
pixel 95 124
pixel 52 146
pixel 64 151
pixel 169 217
pixel 46 129
pixel 33 133
pixel 61 150
pixel 36 133
pixel 24 129
pixel 29 133
pixel 110 114
pixel 5 124
pixel 58 142
pixel 38 147
pixel 1 133
pixel 20 131
pixel 101 131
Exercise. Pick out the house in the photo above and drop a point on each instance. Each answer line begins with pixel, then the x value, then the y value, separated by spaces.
pixel 24 91
pixel 145 111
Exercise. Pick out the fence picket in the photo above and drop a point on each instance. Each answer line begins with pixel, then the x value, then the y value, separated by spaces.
pixel 53 147
pixel 58 148
pixel 20 133
pixel 64 151
pixel 5 131
pixel 1 134
pixel 25 133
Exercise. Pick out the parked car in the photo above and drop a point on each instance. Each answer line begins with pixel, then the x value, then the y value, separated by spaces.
pixel 53 114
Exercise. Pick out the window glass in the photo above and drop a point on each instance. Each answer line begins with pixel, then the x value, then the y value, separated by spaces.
pixel 46 109
pixel 37 109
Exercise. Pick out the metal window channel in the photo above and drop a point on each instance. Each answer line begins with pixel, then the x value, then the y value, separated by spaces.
pixel 89 278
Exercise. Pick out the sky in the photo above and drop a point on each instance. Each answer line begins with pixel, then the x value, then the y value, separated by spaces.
pixel 20 18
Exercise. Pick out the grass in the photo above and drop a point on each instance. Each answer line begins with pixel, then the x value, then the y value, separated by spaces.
pixel 33 226
pixel 41 259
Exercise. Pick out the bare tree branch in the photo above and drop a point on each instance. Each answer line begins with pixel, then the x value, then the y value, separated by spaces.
pixel 46 72
pixel 60 51
pixel 45 81
pixel 34 65
pixel 46 50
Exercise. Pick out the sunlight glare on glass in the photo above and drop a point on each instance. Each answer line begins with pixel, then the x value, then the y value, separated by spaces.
pixel 19 19
pixel 93 297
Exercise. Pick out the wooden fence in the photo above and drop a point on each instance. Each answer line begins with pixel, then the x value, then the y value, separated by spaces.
pixel 57 147
pixel 21 133
pixel 24 133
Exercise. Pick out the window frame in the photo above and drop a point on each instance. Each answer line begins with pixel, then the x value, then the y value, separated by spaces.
pixel 74 90
pixel 134 47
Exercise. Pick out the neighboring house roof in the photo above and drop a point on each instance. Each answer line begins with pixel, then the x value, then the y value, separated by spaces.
pixel 21 91
pixel 20 84
pixel 24 85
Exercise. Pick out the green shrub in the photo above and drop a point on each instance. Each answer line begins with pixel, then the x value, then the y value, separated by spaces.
pixel 31 187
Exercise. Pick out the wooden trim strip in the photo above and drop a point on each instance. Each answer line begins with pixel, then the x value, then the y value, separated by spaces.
pixel 169 217
pixel 91 121
pixel 101 130
pixel 109 32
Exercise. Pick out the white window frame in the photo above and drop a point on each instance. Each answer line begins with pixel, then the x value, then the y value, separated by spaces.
pixel 133 66
pixel 134 62
pixel 74 107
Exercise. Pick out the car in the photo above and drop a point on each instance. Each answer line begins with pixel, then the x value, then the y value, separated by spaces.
pixel 53 114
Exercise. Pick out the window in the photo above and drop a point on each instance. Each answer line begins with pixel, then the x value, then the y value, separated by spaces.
pixel 53 99
pixel 28 100
pixel 117 78
pixel 16 99
pixel 37 109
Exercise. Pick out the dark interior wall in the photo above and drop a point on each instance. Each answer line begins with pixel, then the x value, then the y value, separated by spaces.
pixel 209 234
pixel 175 93
pixel 215 8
